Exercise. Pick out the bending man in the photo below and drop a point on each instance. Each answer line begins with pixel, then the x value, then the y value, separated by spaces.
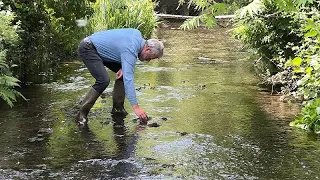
pixel 117 49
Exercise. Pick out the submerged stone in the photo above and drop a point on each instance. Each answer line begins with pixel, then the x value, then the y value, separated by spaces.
pixel 183 133
pixel 35 139
pixel 168 165
pixel 154 125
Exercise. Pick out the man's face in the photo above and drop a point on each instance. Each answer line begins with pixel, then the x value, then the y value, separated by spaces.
pixel 146 55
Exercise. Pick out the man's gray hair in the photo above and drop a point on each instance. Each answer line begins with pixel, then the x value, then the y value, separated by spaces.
pixel 156 47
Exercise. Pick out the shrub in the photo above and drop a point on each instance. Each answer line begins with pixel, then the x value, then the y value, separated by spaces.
pixel 309 118
pixel 288 36
pixel 306 73
pixel 8 37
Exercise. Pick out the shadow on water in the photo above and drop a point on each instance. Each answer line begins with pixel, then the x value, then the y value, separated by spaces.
pixel 209 121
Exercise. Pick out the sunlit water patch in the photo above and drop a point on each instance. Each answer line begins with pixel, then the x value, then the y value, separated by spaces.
pixel 167 93
pixel 191 156
pixel 154 69
pixel 75 84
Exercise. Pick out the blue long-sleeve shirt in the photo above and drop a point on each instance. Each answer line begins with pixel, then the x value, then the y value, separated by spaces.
pixel 121 46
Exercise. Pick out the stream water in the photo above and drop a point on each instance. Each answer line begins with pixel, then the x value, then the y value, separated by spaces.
pixel 209 121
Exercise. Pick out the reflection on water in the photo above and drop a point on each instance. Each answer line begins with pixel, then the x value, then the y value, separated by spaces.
pixel 209 121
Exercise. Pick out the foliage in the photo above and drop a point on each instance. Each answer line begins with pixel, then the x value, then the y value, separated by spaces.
pixel 209 9
pixel 63 16
pixel 309 118
pixel 111 14
pixel 306 68
pixel 306 65
pixel 48 33
pixel 292 45
pixel 263 33
pixel 8 36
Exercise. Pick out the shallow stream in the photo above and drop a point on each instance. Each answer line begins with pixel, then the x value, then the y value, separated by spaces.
pixel 208 121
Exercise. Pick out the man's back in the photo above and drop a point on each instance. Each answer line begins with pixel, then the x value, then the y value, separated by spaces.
pixel 110 44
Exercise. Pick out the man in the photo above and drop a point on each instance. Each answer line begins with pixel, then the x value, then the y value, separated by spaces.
pixel 117 49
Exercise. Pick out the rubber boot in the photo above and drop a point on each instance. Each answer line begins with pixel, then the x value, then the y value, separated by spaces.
pixel 86 105
pixel 118 97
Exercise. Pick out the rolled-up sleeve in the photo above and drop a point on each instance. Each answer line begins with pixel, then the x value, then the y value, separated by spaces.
pixel 128 61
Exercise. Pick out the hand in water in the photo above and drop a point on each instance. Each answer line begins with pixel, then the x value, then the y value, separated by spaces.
pixel 140 112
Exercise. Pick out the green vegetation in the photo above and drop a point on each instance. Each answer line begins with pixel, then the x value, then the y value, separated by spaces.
pixel 35 39
pixel 111 14
pixel 285 35
pixel 48 33
pixel 8 37
pixel 209 9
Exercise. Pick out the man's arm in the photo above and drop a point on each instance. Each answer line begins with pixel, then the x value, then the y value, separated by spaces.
pixel 128 61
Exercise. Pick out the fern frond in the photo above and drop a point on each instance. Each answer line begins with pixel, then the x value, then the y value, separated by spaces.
pixel 191 23
pixel 8 81
pixel 252 9
pixel 8 95
pixel 3 65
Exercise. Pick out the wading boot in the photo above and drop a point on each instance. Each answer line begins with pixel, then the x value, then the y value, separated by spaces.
pixel 86 105
pixel 118 98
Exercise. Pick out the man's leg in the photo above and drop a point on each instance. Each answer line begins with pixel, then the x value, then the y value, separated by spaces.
pixel 118 94
pixel 93 62
pixel 118 97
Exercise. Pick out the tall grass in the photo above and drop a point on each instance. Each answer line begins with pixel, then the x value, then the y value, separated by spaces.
pixel 112 14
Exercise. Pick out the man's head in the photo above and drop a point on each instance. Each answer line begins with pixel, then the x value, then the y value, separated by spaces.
pixel 151 50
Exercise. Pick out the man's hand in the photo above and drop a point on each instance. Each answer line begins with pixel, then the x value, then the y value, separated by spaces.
pixel 119 74
pixel 139 112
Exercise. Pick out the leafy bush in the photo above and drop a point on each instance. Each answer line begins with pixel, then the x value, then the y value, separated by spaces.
pixel 112 14
pixel 63 16
pixel 306 65
pixel 8 37
pixel 209 9
pixel 288 36
pixel 48 34
pixel 309 118
pixel 306 72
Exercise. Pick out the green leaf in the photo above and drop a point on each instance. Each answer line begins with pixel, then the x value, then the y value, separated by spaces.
pixel 296 61
pixel 253 8
pixel 309 70
pixel 311 22
pixel 299 70
pixel 312 33
pixel 318 110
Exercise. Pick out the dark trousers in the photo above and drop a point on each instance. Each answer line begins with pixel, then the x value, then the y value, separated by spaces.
pixel 89 55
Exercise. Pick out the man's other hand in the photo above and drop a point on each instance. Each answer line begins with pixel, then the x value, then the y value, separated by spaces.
pixel 140 112
pixel 119 74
